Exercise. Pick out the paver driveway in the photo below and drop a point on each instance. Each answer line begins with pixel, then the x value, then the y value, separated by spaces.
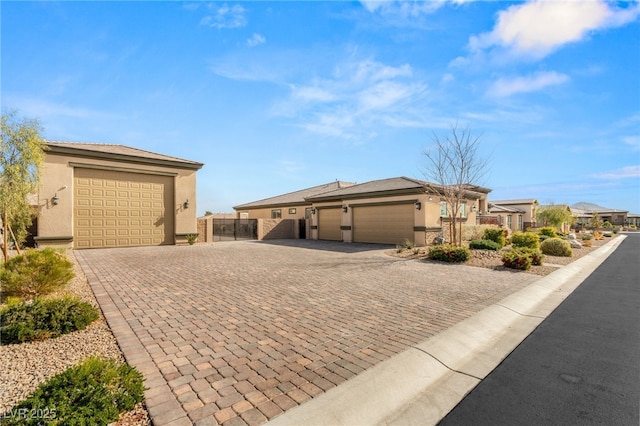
pixel 239 332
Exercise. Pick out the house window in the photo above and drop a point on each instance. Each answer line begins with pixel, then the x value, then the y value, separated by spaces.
pixel 509 221
pixel 520 222
pixel 276 214
pixel 292 211
pixel 463 210
pixel 443 208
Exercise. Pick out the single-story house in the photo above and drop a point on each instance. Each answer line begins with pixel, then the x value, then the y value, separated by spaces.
pixel 293 205
pixel 515 215
pixel 104 195
pixel 389 211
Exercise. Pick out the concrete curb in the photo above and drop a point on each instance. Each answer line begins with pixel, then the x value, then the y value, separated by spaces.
pixel 422 384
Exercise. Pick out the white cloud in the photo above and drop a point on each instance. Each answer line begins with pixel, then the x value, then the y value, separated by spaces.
pixel 256 40
pixel 539 27
pixel 509 86
pixel 225 16
pixel 403 8
pixel 622 173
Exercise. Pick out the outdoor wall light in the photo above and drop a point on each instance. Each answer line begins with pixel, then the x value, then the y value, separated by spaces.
pixel 345 209
pixel 430 198
pixel 55 200
pixel 186 204
pixel 474 209
pixel 418 205
pixel 313 210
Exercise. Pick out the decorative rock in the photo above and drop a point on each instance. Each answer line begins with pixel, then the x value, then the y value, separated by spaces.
pixel 575 243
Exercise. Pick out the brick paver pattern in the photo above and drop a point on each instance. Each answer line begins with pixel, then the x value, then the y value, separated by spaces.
pixel 243 331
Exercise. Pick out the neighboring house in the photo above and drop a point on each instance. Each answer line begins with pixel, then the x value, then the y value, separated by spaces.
pixel 293 205
pixel 584 212
pixel 388 211
pixel 633 219
pixel 515 215
pixel 102 195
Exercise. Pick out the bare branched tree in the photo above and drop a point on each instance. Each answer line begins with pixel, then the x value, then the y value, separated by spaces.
pixel 453 162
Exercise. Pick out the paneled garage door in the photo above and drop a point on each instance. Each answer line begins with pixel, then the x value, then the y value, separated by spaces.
pixel 122 209
pixel 386 224
pixel 329 221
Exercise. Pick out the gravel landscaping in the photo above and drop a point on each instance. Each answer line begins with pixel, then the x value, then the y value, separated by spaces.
pixel 26 365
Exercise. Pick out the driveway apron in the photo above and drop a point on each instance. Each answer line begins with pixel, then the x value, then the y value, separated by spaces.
pixel 237 333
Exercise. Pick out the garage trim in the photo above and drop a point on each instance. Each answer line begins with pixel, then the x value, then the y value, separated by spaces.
pixel 121 169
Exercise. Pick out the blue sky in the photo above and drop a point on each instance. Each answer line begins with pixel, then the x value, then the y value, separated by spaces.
pixel 278 96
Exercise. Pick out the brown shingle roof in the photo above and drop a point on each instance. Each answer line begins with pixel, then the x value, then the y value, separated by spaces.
pixel 118 152
pixel 295 198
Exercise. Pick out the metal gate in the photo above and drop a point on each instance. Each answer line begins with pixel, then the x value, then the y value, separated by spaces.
pixel 235 229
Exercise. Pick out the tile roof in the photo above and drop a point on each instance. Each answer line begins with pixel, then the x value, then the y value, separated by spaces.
pixel 374 187
pixel 118 151
pixel 297 197
pixel 497 208
pixel 511 202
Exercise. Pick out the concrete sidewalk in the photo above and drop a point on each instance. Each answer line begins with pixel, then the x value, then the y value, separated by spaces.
pixel 422 384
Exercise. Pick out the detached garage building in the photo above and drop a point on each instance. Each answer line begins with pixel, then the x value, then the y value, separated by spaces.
pixel 100 195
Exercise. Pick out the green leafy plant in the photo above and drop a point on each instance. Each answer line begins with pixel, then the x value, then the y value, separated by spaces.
pixel 35 273
pixel 94 392
pixel 408 244
pixel 585 237
pixel 517 258
pixel 484 245
pixel 43 319
pixel 556 247
pixel 548 231
pixel 449 253
pixel 529 240
pixel 497 235
pixel 536 257
pixel 192 238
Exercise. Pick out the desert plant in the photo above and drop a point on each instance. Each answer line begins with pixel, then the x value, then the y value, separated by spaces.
pixel 517 258
pixel 607 224
pixel 44 318
pixel 495 234
pixel 91 393
pixel 416 250
pixel 529 240
pixel 35 273
pixel 587 243
pixel 192 238
pixel 585 237
pixel 484 245
pixel 449 253
pixel 597 235
pixel 408 244
pixel 548 231
pixel 536 257
pixel 556 247
pixel 616 229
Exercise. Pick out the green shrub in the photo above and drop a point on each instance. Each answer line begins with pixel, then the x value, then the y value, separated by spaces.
pixel 495 234
pixel 586 237
pixel 536 257
pixel 484 245
pixel 529 240
pixel 556 247
pixel 607 224
pixel 548 231
pixel 517 258
pixel 616 229
pixel 43 319
pixel 449 253
pixel 92 393
pixel 35 273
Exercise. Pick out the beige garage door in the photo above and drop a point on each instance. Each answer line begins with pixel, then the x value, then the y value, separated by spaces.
pixel 329 221
pixel 388 224
pixel 121 209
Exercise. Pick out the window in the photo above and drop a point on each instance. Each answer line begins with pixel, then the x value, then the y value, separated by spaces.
pixel 520 222
pixel 292 211
pixel 276 214
pixel 463 210
pixel 509 222
pixel 443 208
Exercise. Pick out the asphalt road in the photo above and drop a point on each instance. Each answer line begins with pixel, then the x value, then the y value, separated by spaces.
pixel 581 366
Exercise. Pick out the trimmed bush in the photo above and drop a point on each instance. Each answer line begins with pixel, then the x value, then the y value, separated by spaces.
pixel 556 247
pixel 43 319
pixel 35 273
pixel 495 234
pixel 484 245
pixel 92 393
pixel 529 240
pixel 517 258
pixel 548 231
pixel 536 257
pixel 585 237
pixel 449 253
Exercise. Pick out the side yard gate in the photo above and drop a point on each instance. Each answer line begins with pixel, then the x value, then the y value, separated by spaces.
pixel 235 229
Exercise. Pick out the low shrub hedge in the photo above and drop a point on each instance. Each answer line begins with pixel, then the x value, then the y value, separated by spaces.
pixel 449 253
pixel 484 245
pixel 547 231
pixel 35 273
pixel 43 319
pixel 522 258
pixel 529 240
pixel 495 234
pixel 556 247
pixel 92 393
